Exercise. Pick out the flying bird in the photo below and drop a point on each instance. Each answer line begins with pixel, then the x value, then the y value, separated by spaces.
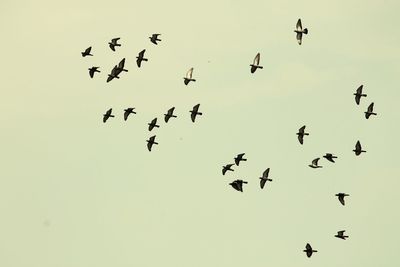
pixel 114 43
pixel 264 178
pixel 108 115
pixel 358 94
pixel 92 70
pixel 169 114
pixel 151 142
pixel 330 157
pixel 301 134
pixel 195 112
pixel 239 158
pixel 141 58
pixel 256 63
pixel 358 150
pixel 153 124
pixel 341 197
pixel 87 52
pixel 227 168
pixel 238 185
pixel 299 31
pixel 340 234
pixel 370 111
pixel 114 74
pixel 154 38
pixel 309 251
pixel 121 65
pixel 314 164
pixel 127 112
pixel 188 77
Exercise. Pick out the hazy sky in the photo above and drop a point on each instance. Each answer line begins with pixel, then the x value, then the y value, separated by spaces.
pixel 75 192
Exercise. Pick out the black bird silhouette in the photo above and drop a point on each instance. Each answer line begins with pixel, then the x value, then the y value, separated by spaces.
pixel 169 114
pixel 358 94
pixel 341 197
pixel 299 31
pixel 154 38
pixel 114 43
pixel 153 124
pixel 256 63
pixel 330 157
pixel 141 58
pixel 188 77
pixel 127 112
pixel 370 111
pixel 114 74
pixel 238 185
pixel 108 115
pixel 92 70
pixel 87 52
pixel 239 158
pixel 121 65
pixel 301 134
pixel 227 168
pixel 264 178
pixel 314 164
pixel 195 112
pixel 151 142
pixel 309 251
pixel 358 149
pixel 340 234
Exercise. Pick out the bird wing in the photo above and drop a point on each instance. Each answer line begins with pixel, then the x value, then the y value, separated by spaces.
pixel 340 233
pixel 224 169
pixel 87 51
pixel 141 54
pixel 358 146
pixel 262 183
pixel 371 107
pixel 299 37
pixel 109 112
pixel 110 78
pixel 149 145
pixel 315 162
pixel 112 46
pixel 126 114
pixel 299 27
pixel 308 247
pixel 309 253
pixel 357 98
pixel 341 199
pixel 121 64
pixel 189 73
pixel 196 108
pixel 265 174
pixel 359 90
pixel 114 41
pixel 171 111
pixel 91 73
pixel 301 130
pixel 256 60
pixel 138 61
pixel 193 115
pixel 300 137
pixel 235 185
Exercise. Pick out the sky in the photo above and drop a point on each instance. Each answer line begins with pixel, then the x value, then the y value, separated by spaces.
pixel 77 192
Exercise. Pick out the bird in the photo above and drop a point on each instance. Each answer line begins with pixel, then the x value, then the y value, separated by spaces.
pixel 195 112
pixel 256 63
pixel 358 150
pixel 121 65
pixel 151 142
pixel 340 234
pixel 154 38
pixel 358 94
pixel 314 164
pixel 114 74
pixel 153 124
pixel 264 178
pixel 370 111
pixel 239 158
pixel 341 197
pixel 92 70
pixel 114 43
pixel 309 251
pixel 169 114
pixel 226 168
pixel 188 77
pixel 330 157
pixel 108 115
pixel 299 31
pixel 87 52
pixel 127 112
pixel 141 58
pixel 301 134
pixel 238 185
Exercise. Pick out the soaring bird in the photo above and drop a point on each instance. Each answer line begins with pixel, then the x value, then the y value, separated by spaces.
pixel 188 77
pixel 108 115
pixel 340 234
pixel 151 142
pixel 153 124
pixel 169 114
pixel 141 58
pixel 114 74
pixel 341 197
pixel 92 70
pixel 301 134
pixel 114 43
pixel 370 111
pixel 314 164
pixel 238 185
pixel 195 112
pixel 330 157
pixel 256 63
pixel 358 150
pixel 227 168
pixel 264 178
pixel 358 94
pixel 87 52
pixel 309 251
pixel 154 38
pixel 299 31
pixel 121 65
pixel 239 158
pixel 127 112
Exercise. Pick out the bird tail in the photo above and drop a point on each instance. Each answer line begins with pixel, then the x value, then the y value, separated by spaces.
pixel 305 31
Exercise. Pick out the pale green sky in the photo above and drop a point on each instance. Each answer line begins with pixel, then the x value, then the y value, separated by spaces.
pixel 75 192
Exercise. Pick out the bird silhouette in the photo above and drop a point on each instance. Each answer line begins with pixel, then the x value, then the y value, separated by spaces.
pixel 121 65
pixel 188 77
pixel 114 43
pixel 264 178
pixel 358 150
pixel 127 112
pixel 169 114
pixel 92 70
pixel 341 197
pixel 151 142
pixel 141 58
pixel 195 112
pixel 239 158
pixel 153 124
pixel 301 134
pixel 370 111
pixel 154 38
pixel 107 115
pixel 314 164
pixel 299 31
pixel 330 157
pixel 114 74
pixel 227 168
pixel 358 94
pixel 340 234
pixel 256 63
pixel 87 52
pixel 238 185
pixel 309 251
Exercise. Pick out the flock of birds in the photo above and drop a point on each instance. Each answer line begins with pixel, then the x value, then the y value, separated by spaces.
pixel 236 184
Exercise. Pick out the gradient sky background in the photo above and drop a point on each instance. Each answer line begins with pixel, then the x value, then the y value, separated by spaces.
pixel 75 192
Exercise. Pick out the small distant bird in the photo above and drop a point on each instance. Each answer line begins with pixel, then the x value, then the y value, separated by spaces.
pixel 256 63
pixel 341 197
pixel 370 111
pixel 153 124
pixel 87 52
pixel 169 114
pixel 299 31
pixel 238 185
pixel 301 134
pixel 340 234
pixel 121 65
pixel 239 158
pixel 264 178
pixel 358 150
pixel 188 77
pixel 141 58
pixel 154 38
pixel 330 157
pixel 309 251
pixel 358 94
pixel 127 112
pixel 227 168
pixel 195 112
pixel 151 142
pixel 114 74
pixel 108 115
pixel 114 43
pixel 314 164
pixel 92 70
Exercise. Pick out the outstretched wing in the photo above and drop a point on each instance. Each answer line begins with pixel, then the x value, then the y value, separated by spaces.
pixel 299 37
pixel 315 162
pixel 112 47
pixel 265 173
pixel 141 54
pixel 301 130
pixel 87 51
pixel 256 60
pixel 340 233
pixel 114 41
pixel 262 182
pixel 299 27
pixel 359 90
pixel 193 116
pixel 126 114
pixel 121 64
pixel 189 73
pixel 358 146
pixel 196 108
pixel 371 107
pixel 171 111
pixel 341 199
pixel 300 137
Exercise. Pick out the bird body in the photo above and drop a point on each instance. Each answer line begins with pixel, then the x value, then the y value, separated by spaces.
pixel 141 58
pixel 256 63
pixel 358 94
pixel 358 150
pixel 301 134
pixel 370 111
pixel 114 43
pixel 87 52
pixel 340 234
pixel 107 115
pixel 194 112
pixel 239 158
pixel 92 70
pixel 169 114
pixel 299 31
pixel 188 77
pixel 154 38
pixel 264 178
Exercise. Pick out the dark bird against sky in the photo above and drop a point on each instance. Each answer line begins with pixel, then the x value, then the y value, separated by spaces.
pixel 114 74
pixel 127 112
pixel 141 58
pixel 358 149
pixel 114 43
pixel 188 77
pixel 299 31
pixel 239 158
pixel 341 197
pixel 153 124
pixel 92 70
pixel 87 52
pixel 227 168
pixel 169 114
pixel 151 142
pixel 341 235
pixel 358 94
pixel 154 38
pixel 264 178
pixel 370 111
pixel 107 115
pixel 301 134
pixel 330 157
pixel 314 164
pixel 256 63
pixel 309 251
pixel 194 112
pixel 121 65
pixel 238 185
